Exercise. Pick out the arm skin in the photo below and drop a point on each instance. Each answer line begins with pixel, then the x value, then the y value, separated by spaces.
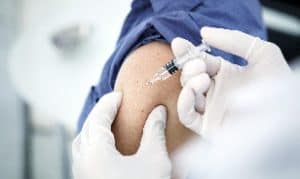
pixel 139 98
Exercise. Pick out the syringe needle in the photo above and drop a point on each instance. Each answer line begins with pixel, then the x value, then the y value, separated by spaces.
pixel 161 74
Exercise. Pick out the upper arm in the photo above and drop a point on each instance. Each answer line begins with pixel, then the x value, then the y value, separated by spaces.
pixel 139 98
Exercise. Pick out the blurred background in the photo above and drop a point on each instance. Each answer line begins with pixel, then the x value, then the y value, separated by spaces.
pixel 51 52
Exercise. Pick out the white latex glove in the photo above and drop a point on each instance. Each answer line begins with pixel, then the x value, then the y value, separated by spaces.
pixel 204 102
pixel 95 155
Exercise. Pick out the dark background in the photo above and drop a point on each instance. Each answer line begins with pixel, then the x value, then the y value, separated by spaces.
pixel 290 44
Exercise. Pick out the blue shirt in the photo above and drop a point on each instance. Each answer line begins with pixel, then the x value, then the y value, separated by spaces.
pixel 152 20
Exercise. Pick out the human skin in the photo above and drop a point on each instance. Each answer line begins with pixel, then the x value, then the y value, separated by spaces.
pixel 140 98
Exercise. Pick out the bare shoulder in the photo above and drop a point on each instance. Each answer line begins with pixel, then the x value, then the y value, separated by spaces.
pixel 139 98
pixel 139 67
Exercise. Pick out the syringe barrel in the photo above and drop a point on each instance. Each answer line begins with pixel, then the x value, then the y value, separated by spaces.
pixel 192 53
pixel 174 65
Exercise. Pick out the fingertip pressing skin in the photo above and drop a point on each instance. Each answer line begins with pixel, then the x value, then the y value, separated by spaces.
pixel 140 98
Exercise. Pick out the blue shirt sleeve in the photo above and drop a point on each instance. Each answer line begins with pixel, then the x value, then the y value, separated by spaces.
pixel 164 20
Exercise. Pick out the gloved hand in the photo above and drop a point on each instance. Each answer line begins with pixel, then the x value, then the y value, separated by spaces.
pixel 95 155
pixel 204 103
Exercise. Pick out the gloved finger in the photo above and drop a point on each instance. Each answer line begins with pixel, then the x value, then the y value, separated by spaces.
pixel 232 41
pixel 153 138
pixel 200 103
pixel 216 64
pixel 105 110
pixel 97 129
pixel 188 116
pixel 76 147
pixel 200 83
pixel 212 64
pixel 191 69
pixel 77 156
pixel 188 107
pixel 180 46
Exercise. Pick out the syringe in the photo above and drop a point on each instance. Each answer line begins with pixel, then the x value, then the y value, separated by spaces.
pixel 176 64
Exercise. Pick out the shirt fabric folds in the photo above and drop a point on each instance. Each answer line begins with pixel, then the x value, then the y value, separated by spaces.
pixel 163 20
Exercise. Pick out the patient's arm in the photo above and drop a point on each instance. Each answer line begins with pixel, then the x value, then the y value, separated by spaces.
pixel 139 99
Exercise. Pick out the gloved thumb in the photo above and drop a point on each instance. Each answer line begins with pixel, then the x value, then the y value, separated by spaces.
pixel 180 46
pixel 234 42
pixel 97 128
pixel 104 112
pixel 153 138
